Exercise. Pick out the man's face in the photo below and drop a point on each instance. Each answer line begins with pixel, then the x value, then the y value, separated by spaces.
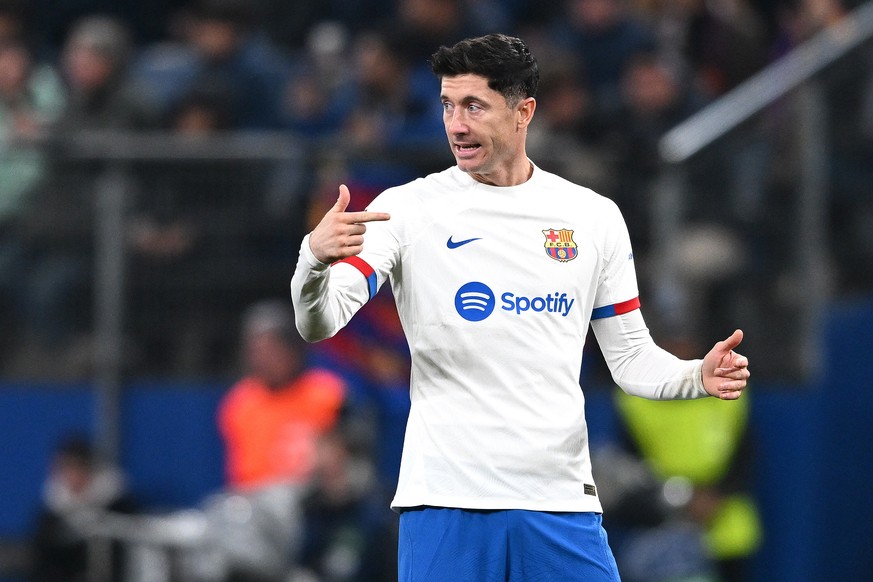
pixel 271 359
pixel 486 135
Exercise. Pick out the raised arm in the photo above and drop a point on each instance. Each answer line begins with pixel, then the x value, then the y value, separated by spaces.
pixel 326 298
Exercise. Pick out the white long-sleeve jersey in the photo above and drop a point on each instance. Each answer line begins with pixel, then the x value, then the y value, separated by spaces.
pixel 496 288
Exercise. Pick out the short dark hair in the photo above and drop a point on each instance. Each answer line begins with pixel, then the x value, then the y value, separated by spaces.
pixel 504 60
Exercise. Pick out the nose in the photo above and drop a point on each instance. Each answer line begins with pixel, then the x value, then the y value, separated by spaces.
pixel 455 124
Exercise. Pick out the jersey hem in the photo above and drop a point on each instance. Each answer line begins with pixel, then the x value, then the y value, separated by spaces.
pixel 566 505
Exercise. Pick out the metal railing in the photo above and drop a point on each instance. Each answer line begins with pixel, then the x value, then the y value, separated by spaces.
pixel 768 85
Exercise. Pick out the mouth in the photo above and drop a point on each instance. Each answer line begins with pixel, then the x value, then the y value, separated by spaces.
pixel 465 150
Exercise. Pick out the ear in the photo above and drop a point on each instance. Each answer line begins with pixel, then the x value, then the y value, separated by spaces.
pixel 525 112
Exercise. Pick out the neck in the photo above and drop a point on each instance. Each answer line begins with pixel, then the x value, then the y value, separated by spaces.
pixel 518 174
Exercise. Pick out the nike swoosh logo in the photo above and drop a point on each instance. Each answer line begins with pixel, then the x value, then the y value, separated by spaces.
pixel 453 244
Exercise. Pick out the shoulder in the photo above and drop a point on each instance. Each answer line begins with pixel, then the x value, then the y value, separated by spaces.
pixel 421 191
pixel 322 385
pixel 243 393
pixel 321 377
pixel 575 194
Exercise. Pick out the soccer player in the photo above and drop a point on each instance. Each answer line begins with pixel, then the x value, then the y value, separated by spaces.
pixel 498 268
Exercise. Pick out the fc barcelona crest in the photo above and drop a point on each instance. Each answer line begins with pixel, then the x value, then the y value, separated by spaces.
pixel 560 244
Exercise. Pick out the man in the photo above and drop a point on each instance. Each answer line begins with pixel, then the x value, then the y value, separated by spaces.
pixel 271 422
pixel 272 418
pixel 498 268
pixel 79 492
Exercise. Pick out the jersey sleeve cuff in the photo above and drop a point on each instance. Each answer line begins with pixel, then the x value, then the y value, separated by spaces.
pixel 309 256
pixel 697 378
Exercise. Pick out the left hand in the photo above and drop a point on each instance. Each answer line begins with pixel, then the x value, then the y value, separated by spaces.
pixel 726 372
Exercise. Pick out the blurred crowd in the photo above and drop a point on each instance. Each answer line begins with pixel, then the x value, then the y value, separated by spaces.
pixel 204 235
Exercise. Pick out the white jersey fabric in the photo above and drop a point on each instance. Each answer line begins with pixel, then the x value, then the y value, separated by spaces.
pixel 495 288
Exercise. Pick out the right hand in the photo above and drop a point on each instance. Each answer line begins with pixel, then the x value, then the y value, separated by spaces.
pixel 340 234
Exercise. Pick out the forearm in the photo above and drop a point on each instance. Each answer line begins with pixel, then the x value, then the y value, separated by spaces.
pixel 325 298
pixel 642 368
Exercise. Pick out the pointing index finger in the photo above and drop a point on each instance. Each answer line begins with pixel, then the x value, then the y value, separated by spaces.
pixel 366 216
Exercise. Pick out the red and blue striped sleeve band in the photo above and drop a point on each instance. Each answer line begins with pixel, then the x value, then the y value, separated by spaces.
pixel 365 269
pixel 616 309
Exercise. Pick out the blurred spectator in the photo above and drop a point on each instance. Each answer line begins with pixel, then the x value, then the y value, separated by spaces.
pixel 291 24
pixel 425 25
pixel 31 99
pixel 13 21
pixel 346 532
pixel 653 98
pixel 710 246
pixel 718 43
pixel 313 103
pixel 96 59
pixel 222 45
pixel 271 418
pixel 388 107
pixel 204 241
pixel 59 225
pixel 271 421
pixel 685 513
pixel 570 134
pixel 606 35
pixel 78 491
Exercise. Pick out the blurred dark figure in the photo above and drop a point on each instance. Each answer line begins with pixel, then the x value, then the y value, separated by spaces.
pixel 606 35
pixel 388 106
pixel 571 132
pixel 13 20
pixel 347 537
pixel 677 491
pixel 96 58
pixel 78 491
pixel 205 241
pixel 653 98
pixel 60 225
pixel 425 24
pixel 31 99
pixel 313 103
pixel 717 43
pixel 220 43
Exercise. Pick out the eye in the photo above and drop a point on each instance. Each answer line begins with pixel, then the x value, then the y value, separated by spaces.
pixel 472 108
pixel 447 106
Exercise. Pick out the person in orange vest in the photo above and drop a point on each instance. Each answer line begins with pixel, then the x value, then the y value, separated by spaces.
pixel 271 419
pixel 271 422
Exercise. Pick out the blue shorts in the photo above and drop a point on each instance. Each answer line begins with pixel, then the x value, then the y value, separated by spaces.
pixel 442 544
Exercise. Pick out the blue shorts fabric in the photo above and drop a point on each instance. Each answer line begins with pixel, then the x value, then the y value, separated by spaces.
pixel 443 544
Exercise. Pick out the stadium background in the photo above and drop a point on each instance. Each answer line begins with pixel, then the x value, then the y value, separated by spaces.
pixel 752 237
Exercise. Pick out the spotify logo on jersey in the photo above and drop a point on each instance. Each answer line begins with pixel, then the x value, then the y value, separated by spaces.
pixel 474 301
